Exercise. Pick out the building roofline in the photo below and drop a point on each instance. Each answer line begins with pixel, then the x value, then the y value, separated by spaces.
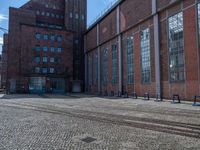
pixel 104 15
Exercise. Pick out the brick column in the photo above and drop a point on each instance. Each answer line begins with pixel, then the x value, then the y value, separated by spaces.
pixel 85 57
pixel 156 48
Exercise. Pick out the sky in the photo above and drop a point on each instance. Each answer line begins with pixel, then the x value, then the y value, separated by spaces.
pixel 95 7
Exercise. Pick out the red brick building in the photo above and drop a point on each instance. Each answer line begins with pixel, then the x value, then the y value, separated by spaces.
pixel 145 46
pixel 44 51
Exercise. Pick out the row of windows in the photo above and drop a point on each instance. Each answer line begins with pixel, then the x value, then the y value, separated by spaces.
pixel 49 37
pixel 44 70
pixel 45 48
pixel 48 14
pixel 76 16
pixel 176 53
pixel 45 59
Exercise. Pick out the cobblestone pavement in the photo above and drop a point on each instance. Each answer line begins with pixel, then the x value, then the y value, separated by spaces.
pixel 82 122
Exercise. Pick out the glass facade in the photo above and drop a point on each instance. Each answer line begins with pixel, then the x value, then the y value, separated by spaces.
pixel 176 48
pixel 145 56
pixel 114 63
pixel 105 66
pixel 130 60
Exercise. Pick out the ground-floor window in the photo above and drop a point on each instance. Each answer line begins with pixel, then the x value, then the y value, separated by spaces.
pixel 145 55
pixel 114 63
pixel 176 48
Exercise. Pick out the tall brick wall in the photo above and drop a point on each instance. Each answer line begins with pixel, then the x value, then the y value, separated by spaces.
pixel 136 16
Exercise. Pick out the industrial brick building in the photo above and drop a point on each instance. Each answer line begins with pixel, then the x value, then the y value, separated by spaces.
pixel 145 46
pixel 43 51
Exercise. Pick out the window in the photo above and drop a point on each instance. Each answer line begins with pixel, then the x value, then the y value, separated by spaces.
pixel 37 36
pixel 45 37
pixel 71 15
pixel 105 66
pixel 44 59
pixel 90 70
pixel 145 55
pixel 176 48
pixel 130 60
pixel 47 14
pixel 59 49
pixel 52 37
pixel 96 66
pixel 52 15
pixel 37 59
pixel 114 64
pixel 37 48
pixel 83 17
pixel 51 60
pixel 52 49
pixel 38 12
pixel 43 13
pixel 77 16
pixel 51 70
pixel 44 70
pixel 37 69
pixel 45 48
pixel 59 38
pixel 57 16
pixel 59 60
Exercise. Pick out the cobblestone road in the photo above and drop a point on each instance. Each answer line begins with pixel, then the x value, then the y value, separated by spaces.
pixel 48 122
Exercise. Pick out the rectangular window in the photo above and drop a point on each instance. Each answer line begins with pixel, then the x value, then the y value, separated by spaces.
pixel 105 66
pixel 45 48
pixel 59 60
pixel 37 48
pixel 44 59
pixel 37 69
pixel 130 60
pixel 37 59
pixel 52 38
pixel 59 38
pixel 52 49
pixel 44 70
pixel 114 64
pixel 51 60
pixel 90 70
pixel 145 55
pixel 59 49
pixel 95 66
pixel 176 48
pixel 51 70
pixel 45 37
pixel 37 36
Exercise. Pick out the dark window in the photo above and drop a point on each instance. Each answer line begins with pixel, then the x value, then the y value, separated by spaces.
pixel 52 37
pixel 130 60
pixel 59 38
pixel 37 59
pixel 105 66
pixel 37 48
pixel 114 64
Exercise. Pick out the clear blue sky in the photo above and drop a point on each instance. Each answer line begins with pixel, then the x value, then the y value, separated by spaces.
pixel 95 7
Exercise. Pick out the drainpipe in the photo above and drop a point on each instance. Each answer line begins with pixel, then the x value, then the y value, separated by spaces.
pixel 99 61
pixel 157 48
pixel 119 48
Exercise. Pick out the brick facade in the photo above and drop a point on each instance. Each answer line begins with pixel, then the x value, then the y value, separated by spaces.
pixel 135 16
pixel 45 18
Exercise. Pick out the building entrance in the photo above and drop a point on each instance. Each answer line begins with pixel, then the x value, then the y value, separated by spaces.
pixel 37 84
pixel 58 85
